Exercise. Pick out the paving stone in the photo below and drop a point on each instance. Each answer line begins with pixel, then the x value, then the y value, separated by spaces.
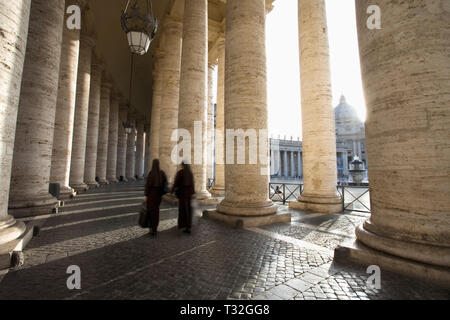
pixel 310 278
pixel 267 296
pixel 284 292
pixel 119 260
pixel 298 285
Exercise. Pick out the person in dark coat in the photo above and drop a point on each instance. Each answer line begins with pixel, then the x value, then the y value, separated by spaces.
pixel 184 188
pixel 154 190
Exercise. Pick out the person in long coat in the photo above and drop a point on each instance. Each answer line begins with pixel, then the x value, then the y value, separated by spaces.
pixel 184 190
pixel 154 190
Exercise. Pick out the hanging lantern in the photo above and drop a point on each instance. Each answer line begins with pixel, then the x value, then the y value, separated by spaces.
pixel 140 27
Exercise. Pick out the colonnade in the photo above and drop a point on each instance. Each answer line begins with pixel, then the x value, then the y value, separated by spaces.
pixel 286 163
pixel 67 117
pixel 62 118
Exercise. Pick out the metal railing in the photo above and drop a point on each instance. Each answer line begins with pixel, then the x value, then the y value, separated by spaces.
pixel 354 198
pixel 283 192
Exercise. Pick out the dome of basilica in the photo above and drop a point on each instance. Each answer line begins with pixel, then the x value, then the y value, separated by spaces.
pixel 345 111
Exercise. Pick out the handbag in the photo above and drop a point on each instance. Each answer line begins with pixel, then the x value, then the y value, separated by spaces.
pixel 143 216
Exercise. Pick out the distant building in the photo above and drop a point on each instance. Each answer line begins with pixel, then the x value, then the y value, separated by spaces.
pixel 286 155
pixel 286 158
pixel 350 137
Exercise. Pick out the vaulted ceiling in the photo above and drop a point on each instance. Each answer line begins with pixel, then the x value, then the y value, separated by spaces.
pixel 103 19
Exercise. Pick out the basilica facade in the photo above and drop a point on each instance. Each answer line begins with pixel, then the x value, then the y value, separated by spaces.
pixel 286 155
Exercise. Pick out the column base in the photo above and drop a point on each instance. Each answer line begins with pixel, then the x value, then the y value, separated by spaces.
pixel 103 182
pixel 79 188
pixel 218 191
pixel 66 192
pixel 332 204
pixel 45 204
pixel 359 254
pixel 257 209
pixel 240 222
pixel 11 252
pixel 420 252
pixel 93 185
pixel 10 229
pixel 208 202
pixel 112 180
pixel 131 179
pixel 203 195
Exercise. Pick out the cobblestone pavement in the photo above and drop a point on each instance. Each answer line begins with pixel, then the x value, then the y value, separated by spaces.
pixel 98 232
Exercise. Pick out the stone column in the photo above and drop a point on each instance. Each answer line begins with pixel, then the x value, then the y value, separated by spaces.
pixel 319 136
pixel 147 150
pixel 290 167
pixel 103 132
pixel 139 166
pixel 113 136
pixel 247 192
pixel 407 136
pixel 81 115
pixel 300 167
pixel 29 193
pixel 193 107
pixel 276 161
pixel 211 127
pixel 345 163
pixel 272 162
pixel 285 164
pixel 292 164
pixel 288 161
pixel 156 109
pixel 219 183
pixel 279 163
pixel 130 167
pixel 93 124
pixel 170 67
pixel 14 18
pixel 65 111
pixel 359 149
pixel 122 144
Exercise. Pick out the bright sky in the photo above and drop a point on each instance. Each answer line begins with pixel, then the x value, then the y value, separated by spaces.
pixel 283 63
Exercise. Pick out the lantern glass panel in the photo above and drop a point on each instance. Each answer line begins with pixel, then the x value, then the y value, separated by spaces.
pixel 139 42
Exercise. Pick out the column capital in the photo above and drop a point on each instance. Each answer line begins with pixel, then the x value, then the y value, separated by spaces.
pixel 87 20
pixel 107 80
pixel 107 85
pixel 220 42
pixel 216 50
pixel 97 64
pixel 212 65
pixel 123 106
pixel 172 24
pixel 88 40
pixel 116 96
pixel 140 122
